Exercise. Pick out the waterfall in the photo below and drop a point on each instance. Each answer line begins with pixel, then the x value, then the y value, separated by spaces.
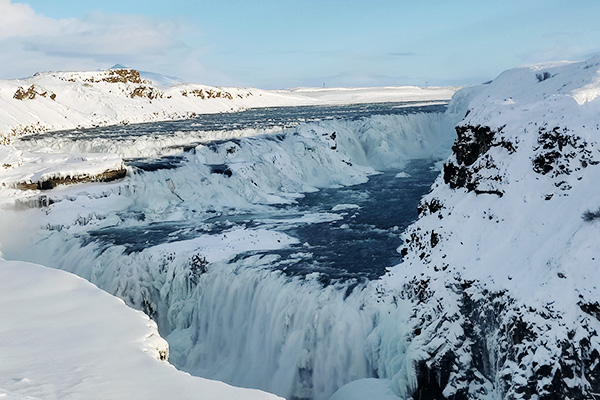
pixel 207 278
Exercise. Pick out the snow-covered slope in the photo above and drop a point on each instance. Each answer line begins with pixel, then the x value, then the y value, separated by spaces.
pixel 63 338
pixel 502 265
pixel 64 100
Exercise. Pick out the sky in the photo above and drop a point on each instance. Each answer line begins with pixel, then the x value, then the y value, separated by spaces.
pixel 296 43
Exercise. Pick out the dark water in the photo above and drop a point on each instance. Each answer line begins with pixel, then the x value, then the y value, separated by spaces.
pixel 363 243
pixel 358 242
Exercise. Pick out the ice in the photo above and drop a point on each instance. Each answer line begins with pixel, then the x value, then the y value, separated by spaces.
pixel 342 207
pixel 368 388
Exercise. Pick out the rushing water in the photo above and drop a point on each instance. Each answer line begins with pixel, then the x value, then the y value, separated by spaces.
pixel 357 239
pixel 362 243
pixel 255 254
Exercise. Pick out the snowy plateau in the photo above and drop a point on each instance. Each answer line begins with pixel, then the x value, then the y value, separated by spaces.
pixel 496 294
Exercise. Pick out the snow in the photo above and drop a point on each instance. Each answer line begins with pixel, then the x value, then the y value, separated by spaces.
pixel 20 166
pixel 63 338
pixel 374 95
pixel 66 100
pixel 523 227
pixel 342 207
pixel 225 246
pixel 530 244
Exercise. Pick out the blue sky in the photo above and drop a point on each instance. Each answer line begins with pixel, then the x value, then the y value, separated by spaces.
pixel 278 44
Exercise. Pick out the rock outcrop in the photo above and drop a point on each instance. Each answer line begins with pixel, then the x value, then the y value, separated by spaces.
pixel 52 182
pixel 32 92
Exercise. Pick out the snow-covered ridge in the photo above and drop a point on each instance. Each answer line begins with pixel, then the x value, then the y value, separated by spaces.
pixel 502 265
pixel 65 100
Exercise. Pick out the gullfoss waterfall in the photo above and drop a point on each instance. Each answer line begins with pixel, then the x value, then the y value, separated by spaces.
pixel 256 247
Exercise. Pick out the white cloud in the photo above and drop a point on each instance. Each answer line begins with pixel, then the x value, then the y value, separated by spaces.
pixel 32 42
pixel 19 21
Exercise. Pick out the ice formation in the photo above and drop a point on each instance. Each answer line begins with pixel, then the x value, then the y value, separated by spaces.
pixel 62 337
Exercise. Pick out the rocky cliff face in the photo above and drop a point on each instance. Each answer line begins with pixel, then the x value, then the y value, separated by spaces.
pixel 502 264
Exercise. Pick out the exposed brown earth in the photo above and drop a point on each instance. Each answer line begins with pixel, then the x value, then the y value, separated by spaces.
pixel 32 92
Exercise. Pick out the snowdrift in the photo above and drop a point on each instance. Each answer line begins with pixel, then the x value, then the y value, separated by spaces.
pixel 62 337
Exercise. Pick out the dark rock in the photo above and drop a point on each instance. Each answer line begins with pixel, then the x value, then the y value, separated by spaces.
pixel 122 75
pixel 560 152
pixel 222 169
pixel 435 239
pixel 198 266
pixel 592 309
pixel 106 176
pixel 542 76
pixel 32 93
pixel 472 141
pixel 148 92
pixel 432 206
pixel 470 150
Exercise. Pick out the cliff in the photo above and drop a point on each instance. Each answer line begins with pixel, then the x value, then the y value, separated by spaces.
pixel 502 264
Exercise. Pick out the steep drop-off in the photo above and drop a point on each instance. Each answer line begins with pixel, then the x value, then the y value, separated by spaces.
pixel 502 266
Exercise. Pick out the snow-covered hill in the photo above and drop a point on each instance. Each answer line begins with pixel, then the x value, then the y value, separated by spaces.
pixel 502 265
pixel 64 100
